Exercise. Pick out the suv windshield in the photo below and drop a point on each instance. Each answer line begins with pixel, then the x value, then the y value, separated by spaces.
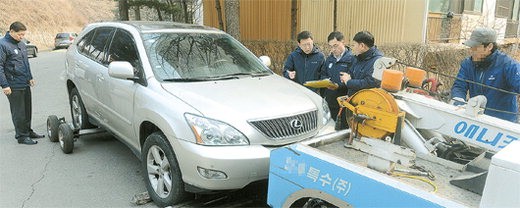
pixel 195 56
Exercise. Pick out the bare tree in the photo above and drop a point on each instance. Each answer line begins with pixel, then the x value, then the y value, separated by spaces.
pixel 137 13
pixel 163 10
pixel 219 15
pixel 232 9
pixel 167 7
pixel 123 9
pixel 159 15
pixel 294 18
pixel 185 12
pixel 335 25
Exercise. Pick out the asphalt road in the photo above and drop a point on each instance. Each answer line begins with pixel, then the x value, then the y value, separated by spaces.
pixel 101 171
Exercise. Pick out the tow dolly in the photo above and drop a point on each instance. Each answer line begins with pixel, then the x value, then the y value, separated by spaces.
pixel 59 130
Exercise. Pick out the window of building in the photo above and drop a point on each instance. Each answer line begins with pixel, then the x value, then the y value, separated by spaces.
pixel 445 6
pixel 515 13
pixel 473 5
pixel 503 8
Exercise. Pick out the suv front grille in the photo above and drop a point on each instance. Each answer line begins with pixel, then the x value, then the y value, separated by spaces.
pixel 281 128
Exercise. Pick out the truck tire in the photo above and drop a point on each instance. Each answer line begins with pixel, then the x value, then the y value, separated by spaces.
pixel 77 111
pixel 159 161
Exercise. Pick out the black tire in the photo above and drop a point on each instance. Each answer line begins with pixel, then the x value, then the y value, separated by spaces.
pixel 77 111
pixel 66 138
pixel 35 53
pixel 52 128
pixel 176 193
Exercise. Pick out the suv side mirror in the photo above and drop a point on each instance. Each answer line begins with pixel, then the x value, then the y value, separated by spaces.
pixel 121 70
pixel 265 60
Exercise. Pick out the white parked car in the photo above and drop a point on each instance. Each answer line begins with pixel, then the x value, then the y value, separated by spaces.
pixel 199 109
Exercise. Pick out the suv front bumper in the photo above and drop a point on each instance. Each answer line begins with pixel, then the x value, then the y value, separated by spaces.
pixel 241 164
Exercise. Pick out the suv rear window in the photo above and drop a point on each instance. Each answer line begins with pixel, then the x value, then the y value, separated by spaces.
pixel 62 35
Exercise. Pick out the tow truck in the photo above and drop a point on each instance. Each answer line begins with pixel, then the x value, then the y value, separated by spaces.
pixel 404 148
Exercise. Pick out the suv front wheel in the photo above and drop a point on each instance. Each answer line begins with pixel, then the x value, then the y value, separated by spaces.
pixel 162 174
pixel 77 111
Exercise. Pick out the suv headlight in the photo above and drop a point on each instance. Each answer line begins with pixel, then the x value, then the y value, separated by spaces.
pixel 326 111
pixel 212 132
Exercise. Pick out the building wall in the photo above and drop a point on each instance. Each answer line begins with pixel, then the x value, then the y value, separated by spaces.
pixel 317 17
pixel 259 19
pixel 388 20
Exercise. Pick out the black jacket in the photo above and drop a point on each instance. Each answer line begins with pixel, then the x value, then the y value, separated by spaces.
pixel 362 70
pixel 331 70
pixel 307 66
pixel 15 71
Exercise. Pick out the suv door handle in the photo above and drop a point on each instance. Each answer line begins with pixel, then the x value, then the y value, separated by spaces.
pixel 81 64
pixel 100 77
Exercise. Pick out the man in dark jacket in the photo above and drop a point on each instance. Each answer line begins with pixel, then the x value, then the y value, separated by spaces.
pixel 490 67
pixel 16 81
pixel 339 60
pixel 304 63
pixel 360 74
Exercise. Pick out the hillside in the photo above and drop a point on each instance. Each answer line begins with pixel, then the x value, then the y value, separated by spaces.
pixel 45 18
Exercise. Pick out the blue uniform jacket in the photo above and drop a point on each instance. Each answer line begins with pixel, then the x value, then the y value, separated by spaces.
pixel 331 70
pixel 15 71
pixel 502 72
pixel 362 70
pixel 307 66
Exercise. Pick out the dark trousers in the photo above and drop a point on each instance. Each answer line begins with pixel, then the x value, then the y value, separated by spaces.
pixel 21 111
pixel 341 120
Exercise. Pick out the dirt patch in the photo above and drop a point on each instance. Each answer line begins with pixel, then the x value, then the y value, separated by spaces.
pixel 46 18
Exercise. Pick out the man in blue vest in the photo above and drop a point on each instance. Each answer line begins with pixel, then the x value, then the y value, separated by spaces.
pixel 16 81
pixel 305 62
pixel 489 67
pixel 339 60
pixel 360 74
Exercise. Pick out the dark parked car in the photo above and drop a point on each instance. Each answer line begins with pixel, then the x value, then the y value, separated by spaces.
pixel 63 40
pixel 32 50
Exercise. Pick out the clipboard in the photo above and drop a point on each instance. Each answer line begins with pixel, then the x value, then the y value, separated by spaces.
pixel 324 83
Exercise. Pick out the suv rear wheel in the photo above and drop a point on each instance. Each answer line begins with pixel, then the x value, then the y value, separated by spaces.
pixel 78 112
pixel 162 174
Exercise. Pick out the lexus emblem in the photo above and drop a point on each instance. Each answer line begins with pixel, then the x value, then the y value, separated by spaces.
pixel 296 124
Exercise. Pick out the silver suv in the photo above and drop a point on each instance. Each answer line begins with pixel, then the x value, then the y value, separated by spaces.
pixel 198 108
pixel 63 40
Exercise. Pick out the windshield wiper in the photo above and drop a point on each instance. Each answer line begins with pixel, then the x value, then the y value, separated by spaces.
pixel 221 77
pixel 237 74
pixel 234 75
pixel 262 74
pixel 186 79
pixel 199 79
pixel 231 76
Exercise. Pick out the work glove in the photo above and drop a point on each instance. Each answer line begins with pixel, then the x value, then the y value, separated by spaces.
pixel 457 101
